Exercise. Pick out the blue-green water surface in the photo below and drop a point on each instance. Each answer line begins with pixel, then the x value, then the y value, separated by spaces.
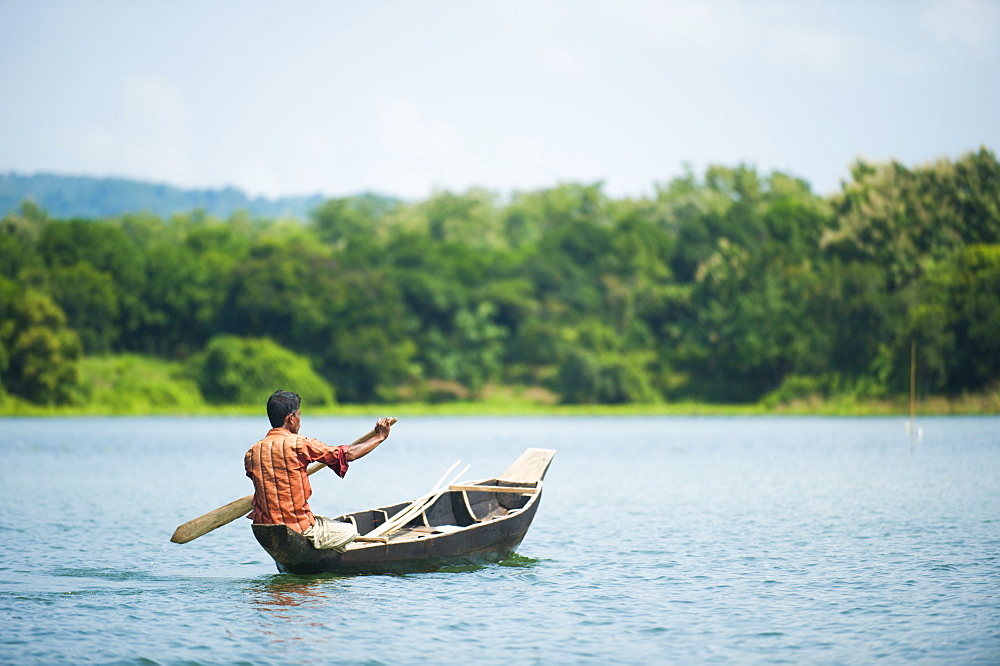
pixel 667 539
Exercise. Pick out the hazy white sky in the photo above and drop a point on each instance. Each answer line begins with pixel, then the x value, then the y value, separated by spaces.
pixel 403 98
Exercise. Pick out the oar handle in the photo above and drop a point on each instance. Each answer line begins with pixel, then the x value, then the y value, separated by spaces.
pixel 317 466
pixel 224 515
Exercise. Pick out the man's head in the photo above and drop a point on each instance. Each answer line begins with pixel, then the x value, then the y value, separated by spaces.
pixel 282 405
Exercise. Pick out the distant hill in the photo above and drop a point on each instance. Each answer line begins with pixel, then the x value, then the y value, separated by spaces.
pixel 95 198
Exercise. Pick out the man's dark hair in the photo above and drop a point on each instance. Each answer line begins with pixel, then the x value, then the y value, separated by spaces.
pixel 280 405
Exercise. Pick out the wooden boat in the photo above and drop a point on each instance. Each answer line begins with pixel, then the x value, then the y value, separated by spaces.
pixel 472 523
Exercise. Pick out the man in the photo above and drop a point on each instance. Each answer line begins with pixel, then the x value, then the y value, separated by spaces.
pixel 277 466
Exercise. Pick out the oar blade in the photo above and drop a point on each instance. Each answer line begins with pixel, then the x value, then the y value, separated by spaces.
pixel 202 525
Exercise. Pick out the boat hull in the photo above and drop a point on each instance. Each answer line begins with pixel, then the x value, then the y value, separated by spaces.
pixel 481 542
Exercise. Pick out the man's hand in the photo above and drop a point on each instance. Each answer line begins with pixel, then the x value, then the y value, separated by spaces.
pixel 379 435
pixel 382 427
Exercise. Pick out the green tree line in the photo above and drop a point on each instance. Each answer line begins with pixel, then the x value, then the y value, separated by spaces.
pixel 727 286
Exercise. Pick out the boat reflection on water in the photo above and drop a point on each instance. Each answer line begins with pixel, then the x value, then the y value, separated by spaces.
pixel 284 592
pixel 286 607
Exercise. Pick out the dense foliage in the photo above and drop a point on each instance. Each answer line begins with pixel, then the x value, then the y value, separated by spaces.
pixel 732 287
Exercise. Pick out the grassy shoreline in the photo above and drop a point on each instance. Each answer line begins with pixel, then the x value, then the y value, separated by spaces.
pixel 987 404
pixel 133 385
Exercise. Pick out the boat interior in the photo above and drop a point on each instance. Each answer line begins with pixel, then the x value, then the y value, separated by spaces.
pixel 460 506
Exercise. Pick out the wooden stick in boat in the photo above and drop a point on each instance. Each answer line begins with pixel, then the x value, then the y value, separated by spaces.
pixel 399 514
pixel 224 515
pixel 523 490
pixel 415 507
pixel 437 486
pixel 365 538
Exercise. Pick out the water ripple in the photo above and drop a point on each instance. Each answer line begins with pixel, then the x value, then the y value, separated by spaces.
pixel 798 540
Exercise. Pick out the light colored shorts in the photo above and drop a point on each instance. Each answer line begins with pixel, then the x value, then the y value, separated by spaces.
pixel 328 534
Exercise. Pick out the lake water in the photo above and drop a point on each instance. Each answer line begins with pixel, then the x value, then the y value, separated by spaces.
pixel 657 540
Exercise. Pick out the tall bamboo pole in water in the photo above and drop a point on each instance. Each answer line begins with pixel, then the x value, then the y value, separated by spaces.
pixel 913 388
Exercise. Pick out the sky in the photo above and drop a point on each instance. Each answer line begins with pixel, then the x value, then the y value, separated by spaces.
pixel 409 98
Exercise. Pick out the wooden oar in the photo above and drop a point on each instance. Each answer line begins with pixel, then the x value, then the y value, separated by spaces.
pixel 224 515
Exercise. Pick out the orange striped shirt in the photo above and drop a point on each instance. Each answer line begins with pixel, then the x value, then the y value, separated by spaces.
pixel 277 466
